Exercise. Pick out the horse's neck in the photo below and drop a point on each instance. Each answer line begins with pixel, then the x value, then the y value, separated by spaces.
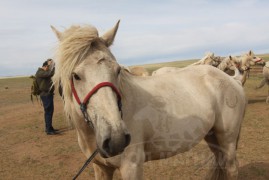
pixel 244 77
pixel 244 60
pixel 217 60
pixel 222 65
pixel 131 88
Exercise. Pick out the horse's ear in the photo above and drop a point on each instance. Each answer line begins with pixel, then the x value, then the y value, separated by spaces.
pixel 109 36
pixel 230 57
pixel 58 33
pixel 250 53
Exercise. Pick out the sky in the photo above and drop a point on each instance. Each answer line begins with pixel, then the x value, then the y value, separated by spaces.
pixel 150 31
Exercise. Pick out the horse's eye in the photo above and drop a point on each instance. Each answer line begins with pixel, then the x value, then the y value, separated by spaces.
pixel 76 76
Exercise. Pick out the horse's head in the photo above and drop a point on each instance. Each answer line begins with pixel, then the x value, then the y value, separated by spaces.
pixel 249 59
pixel 258 61
pixel 88 73
pixel 217 60
pixel 231 62
pixel 228 63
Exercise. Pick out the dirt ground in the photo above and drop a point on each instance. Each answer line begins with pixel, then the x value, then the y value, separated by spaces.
pixel 26 152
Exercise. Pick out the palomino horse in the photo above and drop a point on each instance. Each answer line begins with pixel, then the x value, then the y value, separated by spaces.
pixel 138 71
pixel 227 65
pixel 207 59
pixel 164 70
pixel 244 63
pixel 132 119
pixel 265 80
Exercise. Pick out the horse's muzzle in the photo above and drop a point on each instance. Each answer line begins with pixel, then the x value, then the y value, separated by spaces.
pixel 114 146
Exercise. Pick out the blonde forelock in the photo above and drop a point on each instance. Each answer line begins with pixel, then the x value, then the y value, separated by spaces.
pixel 72 49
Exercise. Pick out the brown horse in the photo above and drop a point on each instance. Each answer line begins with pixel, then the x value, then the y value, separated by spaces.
pixel 132 119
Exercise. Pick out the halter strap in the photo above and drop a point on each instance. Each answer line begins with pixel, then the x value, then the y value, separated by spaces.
pixel 259 60
pixel 94 90
pixel 83 105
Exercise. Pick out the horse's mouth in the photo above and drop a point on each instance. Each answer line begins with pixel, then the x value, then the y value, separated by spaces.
pixel 110 148
pixel 104 154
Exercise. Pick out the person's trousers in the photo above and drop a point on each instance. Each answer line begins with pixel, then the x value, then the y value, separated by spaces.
pixel 48 111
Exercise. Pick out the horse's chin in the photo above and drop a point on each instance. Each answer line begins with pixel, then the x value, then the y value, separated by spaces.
pixel 104 154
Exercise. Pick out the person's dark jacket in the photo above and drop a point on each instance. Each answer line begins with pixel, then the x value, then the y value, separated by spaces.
pixel 44 81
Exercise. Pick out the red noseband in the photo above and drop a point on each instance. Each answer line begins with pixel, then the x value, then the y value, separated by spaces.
pixel 83 105
pixel 94 90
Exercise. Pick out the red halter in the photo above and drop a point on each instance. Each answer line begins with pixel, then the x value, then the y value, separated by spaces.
pixel 259 60
pixel 83 105
pixel 94 90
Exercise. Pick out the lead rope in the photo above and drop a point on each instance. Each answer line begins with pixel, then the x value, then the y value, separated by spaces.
pixel 86 163
pixel 86 117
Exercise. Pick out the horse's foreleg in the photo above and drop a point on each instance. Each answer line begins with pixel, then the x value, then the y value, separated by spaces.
pixel 102 172
pixel 132 164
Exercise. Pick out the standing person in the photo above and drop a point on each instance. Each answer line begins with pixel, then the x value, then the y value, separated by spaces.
pixel 43 76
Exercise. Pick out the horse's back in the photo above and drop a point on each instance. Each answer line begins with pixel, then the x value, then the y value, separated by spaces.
pixel 201 80
pixel 164 70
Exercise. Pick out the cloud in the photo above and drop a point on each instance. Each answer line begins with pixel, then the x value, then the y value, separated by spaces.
pixel 150 31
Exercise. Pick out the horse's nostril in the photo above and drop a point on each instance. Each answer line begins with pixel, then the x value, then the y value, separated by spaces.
pixel 117 145
pixel 106 145
pixel 127 139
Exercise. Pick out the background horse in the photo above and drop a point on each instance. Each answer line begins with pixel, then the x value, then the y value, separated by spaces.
pixel 265 80
pixel 138 71
pixel 164 70
pixel 207 59
pixel 244 63
pixel 226 65
pixel 132 119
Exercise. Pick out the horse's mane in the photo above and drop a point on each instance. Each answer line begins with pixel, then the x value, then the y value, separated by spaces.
pixel 74 45
pixel 126 81
pixel 202 61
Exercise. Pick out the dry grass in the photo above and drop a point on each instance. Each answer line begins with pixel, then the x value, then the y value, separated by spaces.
pixel 28 153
